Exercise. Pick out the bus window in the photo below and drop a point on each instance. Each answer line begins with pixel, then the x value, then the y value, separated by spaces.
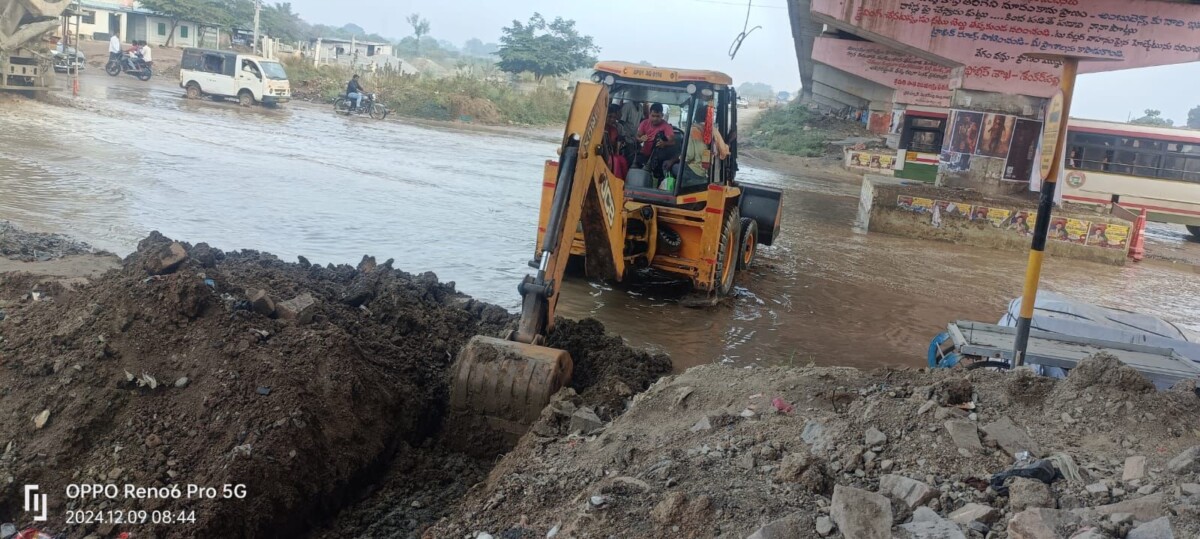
pixel 1096 159
pixel 1191 170
pixel 1147 164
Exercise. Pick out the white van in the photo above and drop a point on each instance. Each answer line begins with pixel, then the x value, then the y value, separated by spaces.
pixel 222 74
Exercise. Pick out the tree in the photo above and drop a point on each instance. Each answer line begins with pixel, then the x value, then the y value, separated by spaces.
pixel 544 49
pixel 1193 120
pixel 1154 117
pixel 420 28
pixel 756 90
pixel 206 12
pixel 475 47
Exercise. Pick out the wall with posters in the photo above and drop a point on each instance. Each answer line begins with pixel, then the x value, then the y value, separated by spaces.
pixel 990 37
pixel 990 152
pixel 931 213
pixel 880 162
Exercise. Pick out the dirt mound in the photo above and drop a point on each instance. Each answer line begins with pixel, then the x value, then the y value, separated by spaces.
pixel 37 247
pixel 312 386
pixel 476 108
pixel 720 452
pixel 607 371
pixel 1105 370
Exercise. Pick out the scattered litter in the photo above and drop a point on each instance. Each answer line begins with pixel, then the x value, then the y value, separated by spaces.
pixel 782 405
pixel 1043 470
pixel 264 390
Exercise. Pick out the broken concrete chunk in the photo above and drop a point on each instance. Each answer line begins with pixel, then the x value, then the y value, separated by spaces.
pixel 1186 461
pixel 40 420
pixel 300 308
pixel 1143 509
pixel 1025 493
pixel 1135 468
pixel 1159 528
pixel 824 526
pixel 585 420
pixel 874 437
pixel 975 512
pixel 910 491
pixel 262 303
pixel 964 434
pixel 1011 438
pixel 703 424
pixel 929 526
pixel 861 514
pixel 165 259
pixel 1040 523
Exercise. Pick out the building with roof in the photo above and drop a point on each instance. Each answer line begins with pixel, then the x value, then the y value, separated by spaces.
pixel 100 18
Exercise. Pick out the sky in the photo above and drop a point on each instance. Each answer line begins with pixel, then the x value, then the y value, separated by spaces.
pixel 698 33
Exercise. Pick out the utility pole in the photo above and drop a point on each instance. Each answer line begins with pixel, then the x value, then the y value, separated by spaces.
pixel 257 13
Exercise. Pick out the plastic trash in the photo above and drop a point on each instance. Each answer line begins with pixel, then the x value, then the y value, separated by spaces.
pixel 1022 457
pixel 1043 470
pixel 782 405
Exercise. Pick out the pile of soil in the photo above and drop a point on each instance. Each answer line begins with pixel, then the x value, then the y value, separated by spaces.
pixel 721 452
pixel 17 244
pixel 189 365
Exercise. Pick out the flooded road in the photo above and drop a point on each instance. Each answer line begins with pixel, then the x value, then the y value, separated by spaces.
pixel 464 203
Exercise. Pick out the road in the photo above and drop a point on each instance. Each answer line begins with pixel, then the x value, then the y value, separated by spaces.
pixel 128 157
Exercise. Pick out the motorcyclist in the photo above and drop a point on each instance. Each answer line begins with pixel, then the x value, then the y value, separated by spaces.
pixel 355 91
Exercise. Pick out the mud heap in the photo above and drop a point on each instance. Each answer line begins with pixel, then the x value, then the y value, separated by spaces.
pixel 837 452
pixel 312 386
pixel 17 244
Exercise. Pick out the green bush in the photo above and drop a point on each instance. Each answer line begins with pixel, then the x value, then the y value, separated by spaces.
pixel 450 98
pixel 783 129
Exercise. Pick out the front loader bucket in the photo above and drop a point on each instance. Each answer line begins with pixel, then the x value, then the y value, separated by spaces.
pixel 506 383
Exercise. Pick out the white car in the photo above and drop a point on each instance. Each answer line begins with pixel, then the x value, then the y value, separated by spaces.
pixel 743 103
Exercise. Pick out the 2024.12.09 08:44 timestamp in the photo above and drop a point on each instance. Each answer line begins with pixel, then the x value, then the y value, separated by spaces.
pixel 132 516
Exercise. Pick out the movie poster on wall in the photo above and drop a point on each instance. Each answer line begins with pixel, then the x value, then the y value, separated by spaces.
pixel 996 132
pixel 964 132
pixel 1108 236
pixel 1023 150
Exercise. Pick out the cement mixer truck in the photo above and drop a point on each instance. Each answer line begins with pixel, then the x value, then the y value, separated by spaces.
pixel 23 66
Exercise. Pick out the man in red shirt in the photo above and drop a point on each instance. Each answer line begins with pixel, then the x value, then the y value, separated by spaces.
pixel 654 133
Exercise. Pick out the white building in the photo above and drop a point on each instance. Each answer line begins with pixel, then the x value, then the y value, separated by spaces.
pixel 100 18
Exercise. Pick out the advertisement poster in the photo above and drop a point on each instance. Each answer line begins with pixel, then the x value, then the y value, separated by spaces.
pixel 867 160
pixel 954 209
pixel 1023 150
pixel 1108 236
pixel 922 205
pixel 1077 231
pixel 956 162
pixel 980 213
pixel 997 134
pixel 964 133
pixel 1022 222
pixel 904 203
pixel 998 216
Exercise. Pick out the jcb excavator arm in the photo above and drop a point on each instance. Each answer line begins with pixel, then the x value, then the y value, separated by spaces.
pixel 508 381
pixel 582 194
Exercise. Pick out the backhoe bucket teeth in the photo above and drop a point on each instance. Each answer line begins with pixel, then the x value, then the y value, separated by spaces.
pixel 507 383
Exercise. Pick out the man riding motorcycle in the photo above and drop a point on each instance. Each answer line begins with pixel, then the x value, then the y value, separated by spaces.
pixel 355 91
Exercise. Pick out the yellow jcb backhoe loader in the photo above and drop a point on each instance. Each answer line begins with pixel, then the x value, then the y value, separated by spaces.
pixel 678 211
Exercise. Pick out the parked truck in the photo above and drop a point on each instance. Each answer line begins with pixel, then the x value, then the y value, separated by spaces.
pixel 23 66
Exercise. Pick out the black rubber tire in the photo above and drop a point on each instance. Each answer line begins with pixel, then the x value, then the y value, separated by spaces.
pixel 377 111
pixel 193 91
pixel 1195 230
pixel 341 105
pixel 245 98
pixel 989 364
pixel 112 68
pixel 727 252
pixel 749 243
pixel 145 74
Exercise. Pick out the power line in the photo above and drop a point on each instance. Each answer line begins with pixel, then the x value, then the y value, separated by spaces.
pixel 737 41
pixel 719 2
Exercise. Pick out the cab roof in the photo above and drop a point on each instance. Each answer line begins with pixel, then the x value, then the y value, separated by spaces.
pixel 663 74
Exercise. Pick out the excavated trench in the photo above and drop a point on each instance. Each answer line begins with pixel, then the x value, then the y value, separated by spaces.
pixel 189 365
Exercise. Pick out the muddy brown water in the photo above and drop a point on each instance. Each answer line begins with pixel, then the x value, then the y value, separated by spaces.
pixel 463 203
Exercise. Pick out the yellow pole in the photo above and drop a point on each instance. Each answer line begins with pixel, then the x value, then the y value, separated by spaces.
pixel 1033 271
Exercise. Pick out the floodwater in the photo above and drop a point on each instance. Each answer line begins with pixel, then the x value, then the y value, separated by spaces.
pixel 463 203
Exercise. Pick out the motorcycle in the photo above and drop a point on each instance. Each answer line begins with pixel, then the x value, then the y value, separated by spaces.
pixel 370 106
pixel 131 64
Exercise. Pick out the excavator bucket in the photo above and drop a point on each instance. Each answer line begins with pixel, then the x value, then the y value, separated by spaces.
pixel 507 383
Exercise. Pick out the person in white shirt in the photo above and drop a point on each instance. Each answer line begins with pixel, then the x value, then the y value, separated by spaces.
pixel 146 54
pixel 114 47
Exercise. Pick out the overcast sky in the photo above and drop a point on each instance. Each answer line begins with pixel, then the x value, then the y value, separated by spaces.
pixel 698 33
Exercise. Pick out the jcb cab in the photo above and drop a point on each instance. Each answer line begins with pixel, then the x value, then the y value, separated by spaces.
pixel 679 210
pixel 687 216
